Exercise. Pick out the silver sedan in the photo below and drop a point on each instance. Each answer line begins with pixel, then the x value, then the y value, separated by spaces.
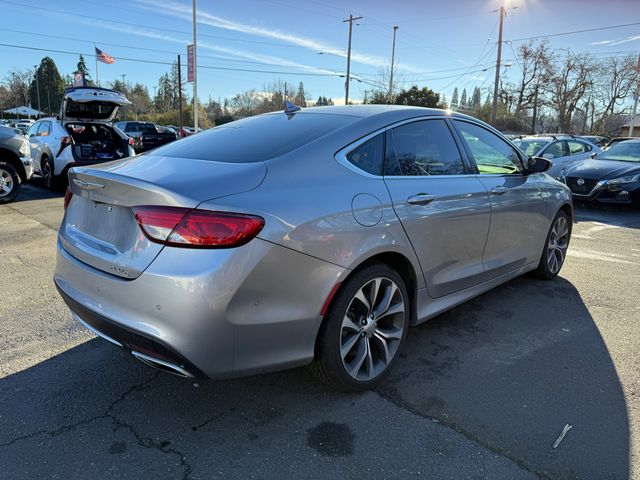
pixel 303 237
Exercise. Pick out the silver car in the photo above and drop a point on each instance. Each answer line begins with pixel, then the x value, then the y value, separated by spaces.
pixel 563 150
pixel 310 237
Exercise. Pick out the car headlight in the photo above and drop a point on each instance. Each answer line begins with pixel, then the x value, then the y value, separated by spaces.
pixel 25 149
pixel 620 180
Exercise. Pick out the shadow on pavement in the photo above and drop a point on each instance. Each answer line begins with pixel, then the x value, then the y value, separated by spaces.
pixel 507 370
pixel 36 190
pixel 511 368
pixel 612 214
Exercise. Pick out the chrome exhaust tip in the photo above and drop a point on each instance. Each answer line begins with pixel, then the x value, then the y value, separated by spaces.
pixel 162 365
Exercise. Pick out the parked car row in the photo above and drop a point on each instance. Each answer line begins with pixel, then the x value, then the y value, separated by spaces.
pixel 146 135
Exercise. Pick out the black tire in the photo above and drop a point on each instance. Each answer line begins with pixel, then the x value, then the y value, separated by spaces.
pixel 546 269
pixel 51 180
pixel 10 183
pixel 375 338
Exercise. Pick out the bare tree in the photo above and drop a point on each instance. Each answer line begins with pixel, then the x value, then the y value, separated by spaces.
pixel 614 82
pixel 569 80
pixel 534 62
pixel 17 82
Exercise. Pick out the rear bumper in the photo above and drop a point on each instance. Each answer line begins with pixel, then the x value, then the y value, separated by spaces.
pixel 215 313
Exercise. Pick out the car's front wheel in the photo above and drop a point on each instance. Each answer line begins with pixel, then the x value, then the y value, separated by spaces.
pixel 363 330
pixel 9 182
pixel 555 248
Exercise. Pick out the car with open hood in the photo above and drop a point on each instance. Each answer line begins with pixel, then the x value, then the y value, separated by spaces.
pixel 81 134
pixel 611 176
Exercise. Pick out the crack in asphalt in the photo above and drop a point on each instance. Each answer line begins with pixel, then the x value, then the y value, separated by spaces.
pixel 208 421
pixel 391 395
pixel 145 442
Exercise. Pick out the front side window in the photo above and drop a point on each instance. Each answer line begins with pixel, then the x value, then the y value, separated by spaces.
pixel 422 148
pixel 368 156
pixel 491 154
pixel 555 150
pixel 33 130
pixel 43 130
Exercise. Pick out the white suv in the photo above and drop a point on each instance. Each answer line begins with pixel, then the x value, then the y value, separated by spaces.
pixel 82 134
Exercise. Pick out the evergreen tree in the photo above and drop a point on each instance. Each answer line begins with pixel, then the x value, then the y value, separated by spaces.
pixel 82 67
pixel 51 86
pixel 454 98
pixel 475 99
pixel 300 99
pixel 487 101
pixel 463 99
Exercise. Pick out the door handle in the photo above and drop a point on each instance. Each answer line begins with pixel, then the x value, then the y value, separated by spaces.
pixel 420 199
pixel 499 190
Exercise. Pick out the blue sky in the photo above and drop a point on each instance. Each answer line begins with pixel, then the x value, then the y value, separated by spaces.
pixel 441 44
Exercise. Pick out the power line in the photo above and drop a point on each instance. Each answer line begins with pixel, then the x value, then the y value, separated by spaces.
pixel 575 31
pixel 214 57
pixel 138 25
pixel 157 62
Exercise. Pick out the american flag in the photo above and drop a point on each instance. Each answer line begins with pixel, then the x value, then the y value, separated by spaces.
pixel 103 57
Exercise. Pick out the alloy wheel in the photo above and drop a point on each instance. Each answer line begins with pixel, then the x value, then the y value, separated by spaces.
pixel 6 183
pixel 558 243
pixel 372 329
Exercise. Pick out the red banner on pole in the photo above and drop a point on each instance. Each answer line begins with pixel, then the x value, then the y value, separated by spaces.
pixel 190 66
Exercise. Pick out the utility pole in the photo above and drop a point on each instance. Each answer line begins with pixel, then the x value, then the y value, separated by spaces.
pixel 535 111
pixel 346 87
pixel 195 73
pixel 180 95
pixel 393 57
pixel 124 85
pixel 494 106
pixel 37 86
pixel 635 100
pixel 49 100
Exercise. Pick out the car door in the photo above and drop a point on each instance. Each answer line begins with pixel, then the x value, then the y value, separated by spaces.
pixel 518 211
pixel 442 206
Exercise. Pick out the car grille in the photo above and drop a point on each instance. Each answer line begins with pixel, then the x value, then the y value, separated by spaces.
pixel 584 189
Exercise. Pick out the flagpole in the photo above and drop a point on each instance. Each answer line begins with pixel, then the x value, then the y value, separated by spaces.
pixel 96 57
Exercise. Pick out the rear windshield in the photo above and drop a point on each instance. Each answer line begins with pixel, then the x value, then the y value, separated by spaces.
pixel 89 110
pixel 256 138
pixel 140 127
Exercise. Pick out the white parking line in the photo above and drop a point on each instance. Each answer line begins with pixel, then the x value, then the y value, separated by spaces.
pixel 594 255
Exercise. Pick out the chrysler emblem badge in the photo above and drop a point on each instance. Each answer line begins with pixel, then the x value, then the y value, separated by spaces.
pixel 580 181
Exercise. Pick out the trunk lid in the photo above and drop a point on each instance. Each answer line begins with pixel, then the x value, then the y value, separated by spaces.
pixel 99 227
pixel 91 104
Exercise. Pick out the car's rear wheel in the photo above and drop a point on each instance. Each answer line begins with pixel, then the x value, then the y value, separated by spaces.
pixel 363 330
pixel 555 248
pixel 48 172
pixel 9 182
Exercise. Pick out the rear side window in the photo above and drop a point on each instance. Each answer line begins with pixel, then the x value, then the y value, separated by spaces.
pixel 577 147
pixel 44 129
pixel 257 138
pixel 368 156
pixel 422 148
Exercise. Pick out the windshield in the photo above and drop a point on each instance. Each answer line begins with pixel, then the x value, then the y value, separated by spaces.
pixel 530 147
pixel 256 138
pixel 623 152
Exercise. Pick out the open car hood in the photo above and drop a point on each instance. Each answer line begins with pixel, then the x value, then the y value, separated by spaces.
pixel 83 104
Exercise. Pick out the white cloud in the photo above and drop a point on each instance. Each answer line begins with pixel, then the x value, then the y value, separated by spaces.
pixel 617 41
pixel 184 12
pixel 234 53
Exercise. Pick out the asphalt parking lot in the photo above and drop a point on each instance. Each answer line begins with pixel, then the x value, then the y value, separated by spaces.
pixel 482 391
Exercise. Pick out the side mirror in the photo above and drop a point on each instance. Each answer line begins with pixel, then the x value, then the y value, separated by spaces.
pixel 538 165
pixel 594 154
pixel 549 156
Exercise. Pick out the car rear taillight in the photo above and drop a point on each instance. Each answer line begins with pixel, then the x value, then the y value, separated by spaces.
pixel 186 227
pixel 65 141
pixel 67 198
pixel 132 142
